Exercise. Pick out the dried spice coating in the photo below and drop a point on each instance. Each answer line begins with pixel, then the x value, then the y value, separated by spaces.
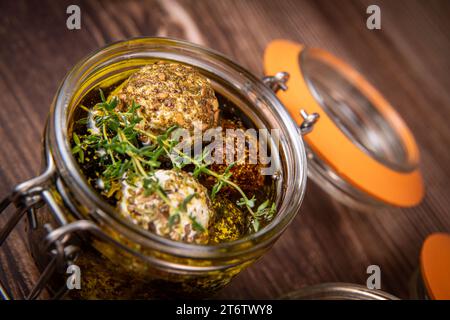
pixel 171 94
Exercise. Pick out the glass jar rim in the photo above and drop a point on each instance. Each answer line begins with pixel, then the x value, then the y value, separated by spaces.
pixel 57 143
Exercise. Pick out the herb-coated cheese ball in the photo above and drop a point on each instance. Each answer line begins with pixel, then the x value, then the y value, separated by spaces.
pixel 229 223
pixel 246 171
pixel 170 94
pixel 169 203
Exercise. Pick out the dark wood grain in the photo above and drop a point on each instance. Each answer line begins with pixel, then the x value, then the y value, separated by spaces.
pixel 408 60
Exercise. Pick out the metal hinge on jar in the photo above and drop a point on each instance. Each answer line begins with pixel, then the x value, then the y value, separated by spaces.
pixel 26 197
pixel 57 242
pixel 279 82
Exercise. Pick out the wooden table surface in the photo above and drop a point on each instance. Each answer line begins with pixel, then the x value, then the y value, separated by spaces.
pixel 408 60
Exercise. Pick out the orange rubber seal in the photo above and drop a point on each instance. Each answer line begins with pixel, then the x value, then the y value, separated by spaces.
pixel 333 146
pixel 435 266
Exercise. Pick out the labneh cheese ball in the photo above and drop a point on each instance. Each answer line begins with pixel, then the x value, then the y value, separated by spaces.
pixel 246 171
pixel 229 222
pixel 170 94
pixel 171 204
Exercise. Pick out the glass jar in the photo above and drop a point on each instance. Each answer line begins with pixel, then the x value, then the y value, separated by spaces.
pixel 118 259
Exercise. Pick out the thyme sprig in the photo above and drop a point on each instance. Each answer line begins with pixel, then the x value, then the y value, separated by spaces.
pixel 114 137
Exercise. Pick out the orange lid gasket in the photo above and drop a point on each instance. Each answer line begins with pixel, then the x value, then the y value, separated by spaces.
pixel 331 144
pixel 435 265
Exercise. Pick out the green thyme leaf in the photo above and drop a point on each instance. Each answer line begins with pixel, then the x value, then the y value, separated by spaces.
pixel 102 96
pixel 196 226
pixel 183 205
pixel 173 219
pixel 76 139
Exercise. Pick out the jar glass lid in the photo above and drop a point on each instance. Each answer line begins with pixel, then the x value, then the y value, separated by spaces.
pixel 435 265
pixel 360 146
pixel 338 291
